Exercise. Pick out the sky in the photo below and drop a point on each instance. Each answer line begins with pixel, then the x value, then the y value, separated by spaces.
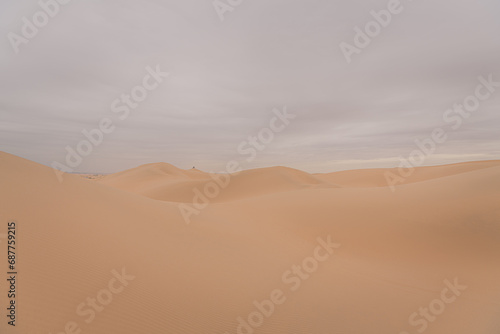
pixel 231 68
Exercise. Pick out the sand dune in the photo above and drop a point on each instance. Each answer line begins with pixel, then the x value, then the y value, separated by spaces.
pixel 389 257
pixel 377 177
pixel 168 183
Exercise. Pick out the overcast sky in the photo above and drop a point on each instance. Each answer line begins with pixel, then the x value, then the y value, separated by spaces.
pixel 226 77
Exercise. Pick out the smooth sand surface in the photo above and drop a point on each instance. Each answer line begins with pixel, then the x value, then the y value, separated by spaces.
pixel 396 251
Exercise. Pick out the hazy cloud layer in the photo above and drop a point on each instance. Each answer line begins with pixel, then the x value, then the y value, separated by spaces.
pixel 226 78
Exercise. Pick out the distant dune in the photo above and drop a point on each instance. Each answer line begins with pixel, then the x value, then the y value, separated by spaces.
pixel 376 177
pixel 168 183
pixel 275 251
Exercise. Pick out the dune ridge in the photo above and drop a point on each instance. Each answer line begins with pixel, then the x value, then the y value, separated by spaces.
pixel 166 182
pixel 377 177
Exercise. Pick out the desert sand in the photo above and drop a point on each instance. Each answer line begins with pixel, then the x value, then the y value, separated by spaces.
pixel 276 251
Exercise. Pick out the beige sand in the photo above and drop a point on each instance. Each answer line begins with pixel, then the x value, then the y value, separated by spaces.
pixel 396 251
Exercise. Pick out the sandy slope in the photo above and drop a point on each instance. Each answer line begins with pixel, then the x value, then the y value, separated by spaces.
pixel 397 248
pixel 377 177
pixel 165 182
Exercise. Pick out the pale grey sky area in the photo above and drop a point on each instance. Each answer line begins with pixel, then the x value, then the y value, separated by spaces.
pixel 226 77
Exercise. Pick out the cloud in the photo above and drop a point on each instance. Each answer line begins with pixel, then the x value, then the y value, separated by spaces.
pixel 226 77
